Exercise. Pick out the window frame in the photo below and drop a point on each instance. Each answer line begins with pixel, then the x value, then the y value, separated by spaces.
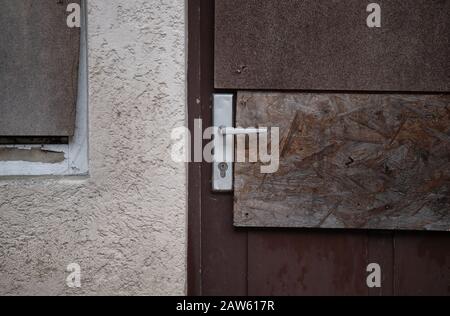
pixel 76 161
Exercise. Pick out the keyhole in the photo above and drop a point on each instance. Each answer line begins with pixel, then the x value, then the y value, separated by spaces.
pixel 223 167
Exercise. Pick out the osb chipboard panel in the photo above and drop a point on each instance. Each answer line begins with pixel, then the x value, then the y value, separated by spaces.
pixel 374 161
pixel 327 45
pixel 39 56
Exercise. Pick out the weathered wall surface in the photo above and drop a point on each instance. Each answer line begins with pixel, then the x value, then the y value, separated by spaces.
pixel 125 223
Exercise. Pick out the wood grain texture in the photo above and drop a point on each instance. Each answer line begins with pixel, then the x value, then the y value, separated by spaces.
pixel 348 161
pixel 326 45
pixel 39 56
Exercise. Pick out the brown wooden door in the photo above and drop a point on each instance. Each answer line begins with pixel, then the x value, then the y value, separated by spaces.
pixel 224 260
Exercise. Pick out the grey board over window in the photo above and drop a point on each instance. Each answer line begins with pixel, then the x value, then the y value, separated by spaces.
pixel 39 56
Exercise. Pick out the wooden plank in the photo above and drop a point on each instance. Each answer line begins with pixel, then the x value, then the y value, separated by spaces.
pixel 422 263
pixel 327 45
pixel 39 56
pixel 348 161
pixel 307 263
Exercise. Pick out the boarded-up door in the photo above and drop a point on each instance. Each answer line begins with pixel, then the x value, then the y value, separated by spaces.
pixel 254 50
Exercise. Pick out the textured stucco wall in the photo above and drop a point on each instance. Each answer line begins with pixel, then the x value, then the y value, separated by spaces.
pixel 125 224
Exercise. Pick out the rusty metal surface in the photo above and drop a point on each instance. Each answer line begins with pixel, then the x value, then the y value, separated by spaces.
pixel 326 45
pixel 348 161
pixel 39 57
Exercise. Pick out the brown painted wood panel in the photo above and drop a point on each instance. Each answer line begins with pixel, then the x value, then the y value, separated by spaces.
pixel 422 263
pixel 327 45
pixel 39 56
pixel 380 250
pixel 194 249
pixel 348 161
pixel 307 263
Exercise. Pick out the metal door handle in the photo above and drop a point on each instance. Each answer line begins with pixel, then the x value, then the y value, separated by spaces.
pixel 223 145
pixel 224 142
pixel 241 131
